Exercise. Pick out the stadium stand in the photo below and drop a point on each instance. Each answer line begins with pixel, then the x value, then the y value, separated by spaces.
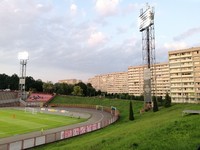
pixel 5 95
pixel 9 98
pixel 39 99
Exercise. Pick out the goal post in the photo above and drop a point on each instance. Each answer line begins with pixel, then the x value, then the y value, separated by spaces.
pixel 99 107
pixel 30 110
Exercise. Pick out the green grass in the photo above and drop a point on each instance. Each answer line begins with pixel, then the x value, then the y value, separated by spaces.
pixel 165 129
pixel 13 122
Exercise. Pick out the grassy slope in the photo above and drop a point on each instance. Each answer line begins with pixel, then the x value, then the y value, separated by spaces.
pixel 165 129
pixel 17 122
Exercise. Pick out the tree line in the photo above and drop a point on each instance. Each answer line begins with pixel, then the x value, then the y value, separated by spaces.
pixel 81 89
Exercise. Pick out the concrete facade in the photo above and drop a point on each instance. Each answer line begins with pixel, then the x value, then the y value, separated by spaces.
pixel 180 77
pixel 70 81
pixel 184 69
pixel 111 83
pixel 160 84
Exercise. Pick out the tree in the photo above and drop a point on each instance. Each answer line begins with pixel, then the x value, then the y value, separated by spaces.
pixel 38 85
pixel 155 104
pixel 83 86
pixel 131 115
pixel 29 83
pixel 160 101
pixel 48 87
pixel 77 91
pixel 4 81
pixel 167 100
pixel 14 82
pixel 90 90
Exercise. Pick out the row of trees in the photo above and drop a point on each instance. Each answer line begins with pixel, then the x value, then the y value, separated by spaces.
pixel 12 83
pixel 81 89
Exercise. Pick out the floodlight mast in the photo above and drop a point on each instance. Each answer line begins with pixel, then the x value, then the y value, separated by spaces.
pixel 148 53
pixel 23 58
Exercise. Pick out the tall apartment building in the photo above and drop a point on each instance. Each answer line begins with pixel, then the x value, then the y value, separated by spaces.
pixel 180 77
pixel 135 80
pixel 111 83
pixel 184 69
pixel 70 81
pixel 160 84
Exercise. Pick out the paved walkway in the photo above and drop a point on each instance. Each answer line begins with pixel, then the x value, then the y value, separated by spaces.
pixel 93 116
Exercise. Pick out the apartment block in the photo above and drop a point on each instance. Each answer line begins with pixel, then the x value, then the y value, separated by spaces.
pixel 70 81
pixel 184 69
pixel 135 80
pixel 180 77
pixel 160 79
pixel 111 83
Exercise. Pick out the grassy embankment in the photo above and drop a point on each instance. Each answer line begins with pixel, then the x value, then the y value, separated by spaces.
pixel 165 129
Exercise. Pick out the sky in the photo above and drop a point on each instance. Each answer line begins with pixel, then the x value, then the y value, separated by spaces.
pixel 78 39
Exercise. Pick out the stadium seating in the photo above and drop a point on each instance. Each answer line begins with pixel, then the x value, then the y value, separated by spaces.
pixel 39 97
pixel 5 95
pixel 9 98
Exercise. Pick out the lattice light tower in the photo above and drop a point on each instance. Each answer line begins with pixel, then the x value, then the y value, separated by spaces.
pixel 146 20
pixel 23 58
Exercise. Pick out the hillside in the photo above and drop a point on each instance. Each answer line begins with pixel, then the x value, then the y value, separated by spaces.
pixel 165 129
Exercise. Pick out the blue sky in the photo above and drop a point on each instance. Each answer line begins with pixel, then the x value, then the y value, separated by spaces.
pixel 83 38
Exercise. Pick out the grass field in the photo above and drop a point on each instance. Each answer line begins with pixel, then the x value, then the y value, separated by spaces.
pixel 166 129
pixel 13 122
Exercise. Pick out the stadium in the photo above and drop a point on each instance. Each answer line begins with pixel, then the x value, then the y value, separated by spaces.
pixel 150 106
pixel 88 117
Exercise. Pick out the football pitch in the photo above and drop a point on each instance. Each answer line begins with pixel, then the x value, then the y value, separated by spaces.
pixel 14 122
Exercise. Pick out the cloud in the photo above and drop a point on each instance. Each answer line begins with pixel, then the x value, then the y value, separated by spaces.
pixel 187 34
pixel 131 7
pixel 96 38
pixel 122 29
pixel 106 7
pixel 175 45
pixel 73 9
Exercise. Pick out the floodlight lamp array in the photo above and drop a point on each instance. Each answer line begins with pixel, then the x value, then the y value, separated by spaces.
pixel 23 55
pixel 146 18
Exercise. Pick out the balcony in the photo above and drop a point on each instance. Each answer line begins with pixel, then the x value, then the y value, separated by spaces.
pixel 185 76
pixel 176 86
pixel 175 76
pixel 185 55
pixel 186 60
pixel 187 70
pixel 186 81
pixel 175 81
pixel 175 71
pixel 187 65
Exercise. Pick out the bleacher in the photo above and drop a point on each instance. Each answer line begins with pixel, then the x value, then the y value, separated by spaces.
pixel 5 95
pixel 8 98
pixel 38 99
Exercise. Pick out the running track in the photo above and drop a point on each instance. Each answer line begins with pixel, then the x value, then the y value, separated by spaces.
pixel 93 115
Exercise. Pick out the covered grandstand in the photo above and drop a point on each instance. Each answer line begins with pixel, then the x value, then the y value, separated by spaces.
pixel 38 99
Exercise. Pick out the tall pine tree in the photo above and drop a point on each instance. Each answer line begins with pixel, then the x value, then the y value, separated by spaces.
pixel 155 104
pixel 167 100
pixel 131 115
